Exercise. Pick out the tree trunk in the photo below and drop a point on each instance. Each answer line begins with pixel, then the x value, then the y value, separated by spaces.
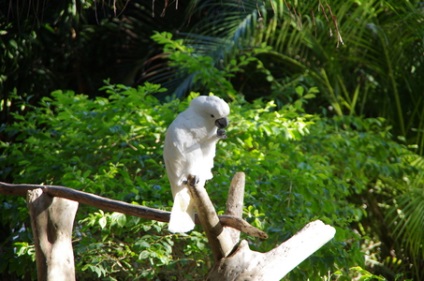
pixel 52 220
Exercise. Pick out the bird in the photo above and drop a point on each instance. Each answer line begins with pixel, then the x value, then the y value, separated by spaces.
pixel 189 149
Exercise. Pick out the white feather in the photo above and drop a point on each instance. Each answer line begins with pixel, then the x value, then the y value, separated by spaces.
pixel 189 149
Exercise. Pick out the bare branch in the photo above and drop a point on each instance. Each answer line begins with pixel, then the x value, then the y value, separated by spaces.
pixel 219 240
pixel 245 264
pixel 235 202
pixel 89 199
pixel 284 258
pixel 111 205
pixel 232 261
pixel 242 226
pixel 236 195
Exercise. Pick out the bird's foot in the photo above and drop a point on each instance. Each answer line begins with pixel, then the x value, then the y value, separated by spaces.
pixel 221 134
pixel 192 180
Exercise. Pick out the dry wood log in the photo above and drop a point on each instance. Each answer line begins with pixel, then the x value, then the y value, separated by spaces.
pixel 247 265
pixel 52 220
pixel 237 262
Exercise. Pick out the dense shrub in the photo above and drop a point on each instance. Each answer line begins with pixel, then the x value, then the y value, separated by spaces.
pixel 299 168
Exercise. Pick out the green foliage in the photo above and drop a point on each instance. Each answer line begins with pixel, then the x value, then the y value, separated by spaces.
pixel 299 167
pixel 344 170
pixel 197 69
pixel 326 174
pixel 73 45
pixel 405 217
pixel 81 132
pixel 108 146
pixel 361 274
pixel 364 56
pixel 145 256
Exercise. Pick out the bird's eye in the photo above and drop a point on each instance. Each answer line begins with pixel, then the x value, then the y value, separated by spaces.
pixel 213 116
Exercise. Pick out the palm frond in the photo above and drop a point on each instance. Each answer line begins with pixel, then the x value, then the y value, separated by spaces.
pixel 372 74
pixel 407 221
pixel 221 35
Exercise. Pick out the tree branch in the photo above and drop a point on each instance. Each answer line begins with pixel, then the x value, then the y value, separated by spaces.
pixel 284 258
pixel 111 205
pixel 235 202
pixel 88 199
pixel 245 264
pixel 219 240
pixel 242 226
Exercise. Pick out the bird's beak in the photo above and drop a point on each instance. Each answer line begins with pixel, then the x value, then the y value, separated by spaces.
pixel 221 122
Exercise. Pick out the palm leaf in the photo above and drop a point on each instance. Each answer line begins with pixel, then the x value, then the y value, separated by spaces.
pixel 407 221
pixel 372 74
pixel 222 35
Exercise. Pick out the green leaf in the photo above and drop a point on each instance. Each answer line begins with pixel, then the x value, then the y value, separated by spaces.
pixel 119 218
pixel 103 222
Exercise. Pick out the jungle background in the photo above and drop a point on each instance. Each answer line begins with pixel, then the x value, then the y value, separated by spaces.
pixel 327 122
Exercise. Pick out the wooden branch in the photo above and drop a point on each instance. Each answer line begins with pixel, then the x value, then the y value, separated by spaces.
pixel 241 225
pixel 219 240
pixel 245 264
pixel 295 250
pixel 111 205
pixel 232 261
pixel 88 199
pixel 52 219
pixel 235 203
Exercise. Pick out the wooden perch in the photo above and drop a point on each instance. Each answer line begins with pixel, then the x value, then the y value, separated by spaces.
pixel 235 204
pixel 236 261
pixel 219 241
pixel 245 264
pixel 111 205
pixel 233 259
pixel 52 219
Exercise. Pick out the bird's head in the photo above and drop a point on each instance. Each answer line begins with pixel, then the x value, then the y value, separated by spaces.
pixel 212 108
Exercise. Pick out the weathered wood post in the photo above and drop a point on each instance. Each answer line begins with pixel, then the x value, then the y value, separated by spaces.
pixel 52 220
pixel 235 261
pixel 235 203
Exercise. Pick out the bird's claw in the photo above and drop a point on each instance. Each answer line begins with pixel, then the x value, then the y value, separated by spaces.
pixel 221 133
pixel 191 180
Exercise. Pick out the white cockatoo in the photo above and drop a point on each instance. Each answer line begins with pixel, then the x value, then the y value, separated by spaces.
pixel 189 149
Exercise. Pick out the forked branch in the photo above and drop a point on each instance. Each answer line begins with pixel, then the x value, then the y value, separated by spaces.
pixel 235 261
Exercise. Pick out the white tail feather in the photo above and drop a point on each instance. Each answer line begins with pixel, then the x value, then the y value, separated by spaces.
pixel 182 214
